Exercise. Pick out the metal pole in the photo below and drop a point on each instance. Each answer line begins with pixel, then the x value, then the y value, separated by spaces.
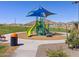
pixel 36 26
pixel 77 3
pixel 15 21
pixel 66 31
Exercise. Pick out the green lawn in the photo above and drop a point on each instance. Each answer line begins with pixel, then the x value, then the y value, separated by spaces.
pixel 10 29
pixel 6 49
pixel 2 50
pixel 1 47
pixel 57 29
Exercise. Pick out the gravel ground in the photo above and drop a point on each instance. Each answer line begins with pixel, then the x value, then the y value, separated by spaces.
pixel 56 36
pixel 41 52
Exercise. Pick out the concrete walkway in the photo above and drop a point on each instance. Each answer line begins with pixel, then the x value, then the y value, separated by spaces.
pixel 29 48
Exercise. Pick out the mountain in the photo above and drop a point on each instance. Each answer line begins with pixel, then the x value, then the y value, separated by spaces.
pixel 46 22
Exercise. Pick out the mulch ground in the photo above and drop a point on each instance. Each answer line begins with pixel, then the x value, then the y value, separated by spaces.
pixel 8 50
pixel 42 50
pixel 56 36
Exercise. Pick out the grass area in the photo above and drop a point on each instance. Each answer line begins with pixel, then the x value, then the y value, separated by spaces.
pixel 10 29
pixel 2 50
pixel 6 49
pixel 57 29
pixel 1 47
pixel 4 29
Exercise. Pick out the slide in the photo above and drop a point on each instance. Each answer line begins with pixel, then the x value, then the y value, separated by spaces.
pixel 29 32
pixel 46 26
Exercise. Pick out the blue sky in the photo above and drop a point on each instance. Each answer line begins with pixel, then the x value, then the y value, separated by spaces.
pixel 9 11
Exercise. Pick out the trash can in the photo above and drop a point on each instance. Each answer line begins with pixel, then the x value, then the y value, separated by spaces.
pixel 14 39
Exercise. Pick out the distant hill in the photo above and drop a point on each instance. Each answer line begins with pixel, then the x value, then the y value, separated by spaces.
pixel 46 22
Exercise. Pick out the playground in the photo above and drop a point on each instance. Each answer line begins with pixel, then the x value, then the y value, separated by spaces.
pixel 40 39
pixel 40 30
pixel 35 35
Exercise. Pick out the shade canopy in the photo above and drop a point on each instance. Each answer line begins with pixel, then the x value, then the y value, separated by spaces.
pixel 41 12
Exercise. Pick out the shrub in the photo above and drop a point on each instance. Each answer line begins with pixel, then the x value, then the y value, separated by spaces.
pixel 56 53
pixel 73 39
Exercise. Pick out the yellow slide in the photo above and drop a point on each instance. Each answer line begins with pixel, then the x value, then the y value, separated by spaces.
pixel 46 26
pixel 29 32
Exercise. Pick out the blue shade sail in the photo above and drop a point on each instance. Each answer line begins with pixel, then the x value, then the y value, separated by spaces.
pixel 41 12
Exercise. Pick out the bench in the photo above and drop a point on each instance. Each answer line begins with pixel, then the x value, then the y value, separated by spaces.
pixel 2 37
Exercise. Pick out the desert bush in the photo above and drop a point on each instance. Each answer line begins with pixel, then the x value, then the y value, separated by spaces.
pixel 56 53
pixel 73 39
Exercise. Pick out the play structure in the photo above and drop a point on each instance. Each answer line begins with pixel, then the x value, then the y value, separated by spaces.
pixel 41 28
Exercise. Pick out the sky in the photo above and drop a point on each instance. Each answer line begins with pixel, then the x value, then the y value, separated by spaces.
pixel 17 10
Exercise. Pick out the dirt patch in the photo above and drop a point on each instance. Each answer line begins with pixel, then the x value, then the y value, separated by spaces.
pixel 7 50
pixel 56 36
pixel 42 50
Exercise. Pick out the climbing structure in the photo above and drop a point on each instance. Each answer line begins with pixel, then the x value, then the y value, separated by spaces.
pixel 40 26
